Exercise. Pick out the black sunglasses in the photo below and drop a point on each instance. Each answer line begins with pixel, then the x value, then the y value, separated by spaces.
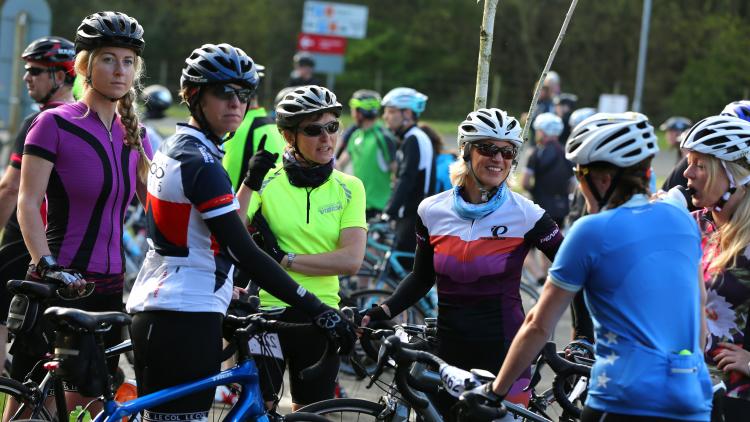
pixel 315 129
pixel 490 150
pixel 226 92
pixel 35 71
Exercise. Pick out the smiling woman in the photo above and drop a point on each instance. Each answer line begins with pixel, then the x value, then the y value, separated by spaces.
pixel 472 241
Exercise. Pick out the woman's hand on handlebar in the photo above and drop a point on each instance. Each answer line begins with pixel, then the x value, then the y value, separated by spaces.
pixel 376 313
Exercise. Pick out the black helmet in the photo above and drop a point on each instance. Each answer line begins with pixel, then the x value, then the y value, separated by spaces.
pixel 304 59
pixel 222 63
pixel 110 29
pixel 677 123
pixel 52 50
pixel 157 99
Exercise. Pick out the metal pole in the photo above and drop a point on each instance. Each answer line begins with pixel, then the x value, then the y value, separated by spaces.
pixel 485 53
pixel 550 59
pixel 642 53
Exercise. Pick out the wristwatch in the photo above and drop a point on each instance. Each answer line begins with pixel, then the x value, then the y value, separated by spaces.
pixel 289 259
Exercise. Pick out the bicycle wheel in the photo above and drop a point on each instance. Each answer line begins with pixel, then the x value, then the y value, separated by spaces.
pixel 303 417
pixel 346 409
pixel 11 389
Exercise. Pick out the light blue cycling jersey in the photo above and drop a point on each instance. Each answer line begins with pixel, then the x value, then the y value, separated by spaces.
pixel 638 267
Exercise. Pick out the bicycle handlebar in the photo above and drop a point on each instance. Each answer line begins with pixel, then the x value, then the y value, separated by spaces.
pixel 563 369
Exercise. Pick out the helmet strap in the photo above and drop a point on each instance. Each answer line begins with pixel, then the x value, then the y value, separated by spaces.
pixel 603 200
pixel 197 112
pixel 732 189
pixel 53 90
pixel 298 154
pixel 485 192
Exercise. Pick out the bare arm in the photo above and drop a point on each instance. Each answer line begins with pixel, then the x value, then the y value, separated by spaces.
pixel 9 193
pixel 345 260
pixel 536 329
pixel 243 197
pixel 35 174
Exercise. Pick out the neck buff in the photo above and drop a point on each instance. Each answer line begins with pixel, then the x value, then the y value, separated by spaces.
pixel 469 211
pixel 306 177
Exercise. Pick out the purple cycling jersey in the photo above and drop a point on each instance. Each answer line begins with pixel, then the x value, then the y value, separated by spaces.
pixel 92 182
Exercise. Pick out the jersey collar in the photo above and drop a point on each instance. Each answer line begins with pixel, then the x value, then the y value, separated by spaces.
pixel 186 129
pixel 637 200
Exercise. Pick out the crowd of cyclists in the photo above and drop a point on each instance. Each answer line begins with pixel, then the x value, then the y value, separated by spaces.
pixel 239 199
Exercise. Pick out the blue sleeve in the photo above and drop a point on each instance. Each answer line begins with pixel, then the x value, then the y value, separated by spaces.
pixel 575 258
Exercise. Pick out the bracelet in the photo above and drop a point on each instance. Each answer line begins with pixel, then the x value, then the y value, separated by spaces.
pixel 289 259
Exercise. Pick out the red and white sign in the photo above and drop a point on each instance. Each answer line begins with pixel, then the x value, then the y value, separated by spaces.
pixel 321 44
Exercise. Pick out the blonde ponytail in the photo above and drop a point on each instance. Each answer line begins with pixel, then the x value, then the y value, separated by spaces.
pixel 129 118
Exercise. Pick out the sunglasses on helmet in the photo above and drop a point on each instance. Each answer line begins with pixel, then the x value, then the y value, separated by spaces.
pixel 490 150
pixel 315 129
pixel 35 71
pixel 226 92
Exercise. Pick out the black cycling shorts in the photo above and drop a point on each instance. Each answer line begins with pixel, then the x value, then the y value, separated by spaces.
pixel 171 348
pixel 302 348
pixel 14 262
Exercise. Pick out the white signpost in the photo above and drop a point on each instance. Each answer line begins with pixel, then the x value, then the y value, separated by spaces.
pixel 327 19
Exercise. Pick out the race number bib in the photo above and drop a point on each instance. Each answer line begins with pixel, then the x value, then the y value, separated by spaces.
pixel 268 346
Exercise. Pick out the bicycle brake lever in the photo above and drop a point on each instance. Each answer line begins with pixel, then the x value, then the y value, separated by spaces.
pixel 382 360
pixel 537 375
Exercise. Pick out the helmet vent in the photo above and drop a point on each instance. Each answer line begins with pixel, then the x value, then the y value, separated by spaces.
pixel 486 121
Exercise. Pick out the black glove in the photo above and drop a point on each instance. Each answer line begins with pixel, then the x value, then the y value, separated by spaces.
pixel 377 313
pixel 265 239
pixel 581 347
pixel 48 269
pixel 485 396
pixel 338 328
pixel 259 165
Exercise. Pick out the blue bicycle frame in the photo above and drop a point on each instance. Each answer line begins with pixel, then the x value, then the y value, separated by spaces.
pixel 250 405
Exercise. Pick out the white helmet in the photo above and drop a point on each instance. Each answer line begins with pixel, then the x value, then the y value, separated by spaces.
pixel 303 101
pixel 549 123
pixel 724 137
pixel 405 98
pixel 489 123
pixel 622 139
pixel 580 115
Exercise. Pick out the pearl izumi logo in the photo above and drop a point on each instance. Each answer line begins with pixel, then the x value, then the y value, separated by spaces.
pixel 325 209
pixel 498 231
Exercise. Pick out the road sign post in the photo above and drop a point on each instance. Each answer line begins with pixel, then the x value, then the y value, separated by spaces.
pixel 325 27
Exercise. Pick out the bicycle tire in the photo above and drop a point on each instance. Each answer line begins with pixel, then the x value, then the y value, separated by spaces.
pixel 304 417
pixel 348 407
pixel 10 388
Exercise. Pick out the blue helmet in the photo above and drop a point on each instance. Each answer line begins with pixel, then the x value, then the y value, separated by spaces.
pixel 739 109
pixel 219 64
pixel 405 98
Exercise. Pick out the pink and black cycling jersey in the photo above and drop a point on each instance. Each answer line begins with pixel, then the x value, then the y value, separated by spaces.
pixel 478 263
pixel 91 184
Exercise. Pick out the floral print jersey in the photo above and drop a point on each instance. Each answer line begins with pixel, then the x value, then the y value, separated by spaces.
pixel 727 304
